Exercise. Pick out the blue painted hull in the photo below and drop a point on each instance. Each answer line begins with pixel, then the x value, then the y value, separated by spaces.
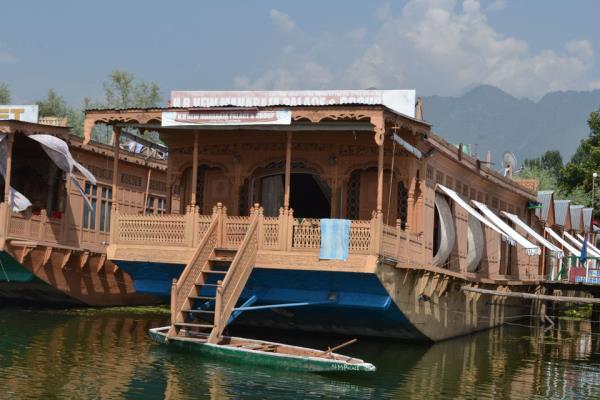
pixel 344 302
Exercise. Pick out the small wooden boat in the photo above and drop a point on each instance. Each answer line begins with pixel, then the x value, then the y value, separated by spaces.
pixel 263 353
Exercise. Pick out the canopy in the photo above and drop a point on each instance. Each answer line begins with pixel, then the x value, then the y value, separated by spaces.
pixel 474 213
pixel 555 251
pixel 532 249
pixel 566 245
pixel 580 244
pixel 58 151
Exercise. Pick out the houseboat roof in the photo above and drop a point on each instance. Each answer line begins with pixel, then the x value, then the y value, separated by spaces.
pixel 561 209
pixel 587 218
pixel 31 128
pixel 545 198
pixel 576 216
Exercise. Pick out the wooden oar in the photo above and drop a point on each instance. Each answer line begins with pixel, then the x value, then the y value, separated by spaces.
pixel 339 346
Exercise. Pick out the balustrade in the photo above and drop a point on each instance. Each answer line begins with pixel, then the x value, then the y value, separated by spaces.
pixel 282 233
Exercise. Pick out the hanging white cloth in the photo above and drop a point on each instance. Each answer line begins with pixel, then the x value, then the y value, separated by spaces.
pixel 17 201
pixel 566 245
pixel 530 248
pixel 555 251
pixel 58 151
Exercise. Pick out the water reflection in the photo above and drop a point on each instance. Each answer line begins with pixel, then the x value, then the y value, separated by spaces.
pixel 106 354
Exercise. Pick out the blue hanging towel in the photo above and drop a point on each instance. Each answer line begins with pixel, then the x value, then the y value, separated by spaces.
pixel 583 255
pixel 335 239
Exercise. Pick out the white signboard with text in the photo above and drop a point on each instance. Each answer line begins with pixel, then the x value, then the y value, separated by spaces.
pixel 226 117
pixel 402 101
pixel 28 113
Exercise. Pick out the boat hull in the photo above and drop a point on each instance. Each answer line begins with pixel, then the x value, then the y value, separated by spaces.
pixel 80 281
pixel 391 303
pixel 260 358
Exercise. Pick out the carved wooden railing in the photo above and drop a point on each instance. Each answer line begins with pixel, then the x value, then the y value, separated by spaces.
pixel 239 271
pixel 282 233
pixel 182 290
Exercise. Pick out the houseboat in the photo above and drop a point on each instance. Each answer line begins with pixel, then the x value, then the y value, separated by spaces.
pixel 56 213
pixel 325 211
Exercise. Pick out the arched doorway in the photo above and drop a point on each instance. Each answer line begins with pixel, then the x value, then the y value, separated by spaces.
pixel 310 196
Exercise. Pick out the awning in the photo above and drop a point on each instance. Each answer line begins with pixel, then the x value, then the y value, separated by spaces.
pixel 566 245
pixel 474 213
pixel 532 249
pixel 407 146
pixel 58 151
pixel 580 244
pixel 555 251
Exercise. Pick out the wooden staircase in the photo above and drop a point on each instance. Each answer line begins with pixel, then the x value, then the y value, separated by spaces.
pixel 205 295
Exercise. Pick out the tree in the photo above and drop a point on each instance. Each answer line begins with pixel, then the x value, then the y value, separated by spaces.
pixel 53 106
pixel 4 94
pixel 122 91
pixel 549 161
pixel 576 176
pixel 546 178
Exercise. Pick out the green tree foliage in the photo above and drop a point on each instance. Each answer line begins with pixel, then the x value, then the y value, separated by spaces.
pixel 121 90
pixel 577 174
pixel 53 106
pixel 4 93
pixel 545 177
pixel 549 161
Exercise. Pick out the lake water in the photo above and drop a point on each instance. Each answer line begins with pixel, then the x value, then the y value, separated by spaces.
pixel 106 354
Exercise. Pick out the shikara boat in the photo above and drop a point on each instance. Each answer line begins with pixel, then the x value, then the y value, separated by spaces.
pixel 263 353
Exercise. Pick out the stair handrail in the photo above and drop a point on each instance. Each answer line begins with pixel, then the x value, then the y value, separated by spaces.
pixel 229 290
pixel 181 290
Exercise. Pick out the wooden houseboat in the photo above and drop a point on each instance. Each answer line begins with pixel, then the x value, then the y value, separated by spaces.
pixel 263 185
pixel 54 250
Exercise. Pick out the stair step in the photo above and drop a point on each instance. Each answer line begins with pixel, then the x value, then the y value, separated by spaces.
pixel 207 284
pixel 202 297
pixel 212 271
pixel 221 259
pixel 199 311
pixel 191 325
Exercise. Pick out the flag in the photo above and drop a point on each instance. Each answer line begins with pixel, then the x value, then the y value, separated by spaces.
pixel 583 255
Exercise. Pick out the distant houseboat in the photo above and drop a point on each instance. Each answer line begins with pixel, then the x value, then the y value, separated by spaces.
pixel 330 211
pixel 54 246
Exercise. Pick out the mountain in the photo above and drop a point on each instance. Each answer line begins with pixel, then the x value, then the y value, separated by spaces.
pixel 497 121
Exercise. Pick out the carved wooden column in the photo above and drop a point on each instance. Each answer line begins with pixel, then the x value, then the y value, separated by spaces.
pixel 169 193
pixel 377 222
pixel 10 138
pixel 379 208
pixel 194 170
pixel 288 171
pixel 115 180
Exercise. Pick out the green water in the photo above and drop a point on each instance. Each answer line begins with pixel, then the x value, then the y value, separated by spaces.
pixel 106 354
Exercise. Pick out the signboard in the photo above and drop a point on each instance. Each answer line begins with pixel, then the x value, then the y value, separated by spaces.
pixel 20 113
pixel 226 117
pixel 402 101
pixel 577 275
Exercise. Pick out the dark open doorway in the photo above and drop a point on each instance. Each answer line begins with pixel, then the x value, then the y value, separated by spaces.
pixel 309 196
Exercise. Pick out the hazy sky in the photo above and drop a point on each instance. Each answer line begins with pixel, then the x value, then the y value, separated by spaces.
pixel 526 47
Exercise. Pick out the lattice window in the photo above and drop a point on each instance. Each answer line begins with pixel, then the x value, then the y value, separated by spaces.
pixel 458 187
pixel 439 177
pixel 90 216
pixel 429 173
pixel 465 190
pixel 353 195
pixel 156 205
pixel 402 205
pixel 449 181
pixel 502 205
pixel 494 202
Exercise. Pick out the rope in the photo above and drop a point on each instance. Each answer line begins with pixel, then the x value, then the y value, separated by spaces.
pixel 387 218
